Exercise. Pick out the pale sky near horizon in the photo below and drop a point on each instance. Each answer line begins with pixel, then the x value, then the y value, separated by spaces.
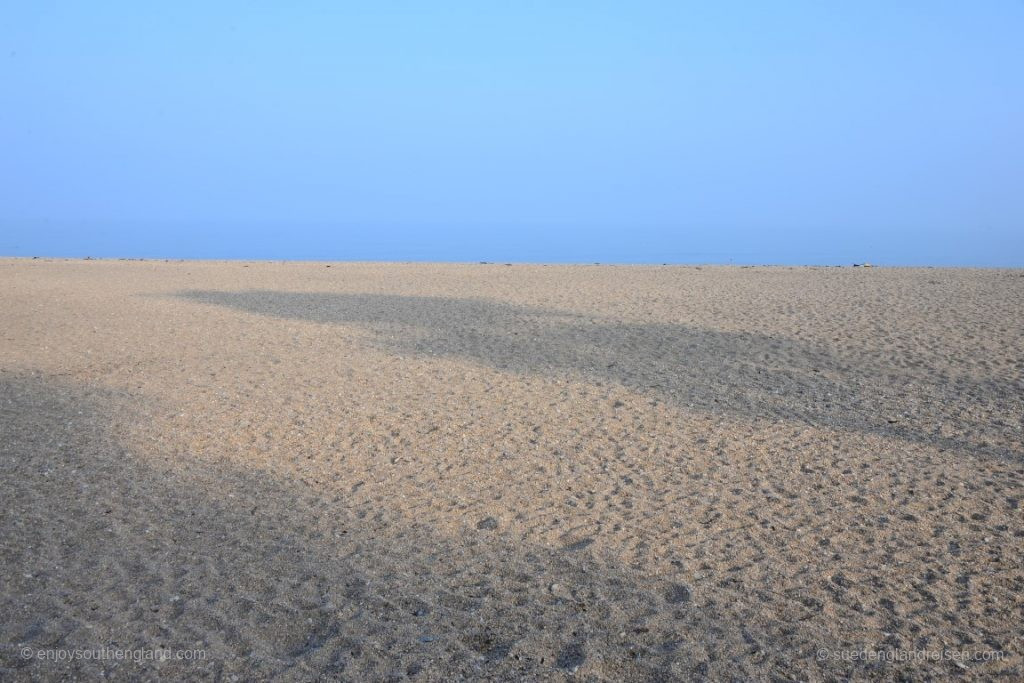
pixel 793 132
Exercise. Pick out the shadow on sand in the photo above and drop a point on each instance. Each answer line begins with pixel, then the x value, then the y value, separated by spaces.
pixel 754 376
pixel 104 546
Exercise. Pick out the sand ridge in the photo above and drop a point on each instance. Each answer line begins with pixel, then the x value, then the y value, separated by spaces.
pixel 424 471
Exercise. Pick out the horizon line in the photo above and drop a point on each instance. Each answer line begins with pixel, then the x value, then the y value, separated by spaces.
pixel 482 262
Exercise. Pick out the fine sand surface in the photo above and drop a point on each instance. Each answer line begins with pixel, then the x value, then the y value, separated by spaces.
pixel 449 472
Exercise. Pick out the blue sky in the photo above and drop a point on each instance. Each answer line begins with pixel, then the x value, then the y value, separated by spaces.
pixel 790 132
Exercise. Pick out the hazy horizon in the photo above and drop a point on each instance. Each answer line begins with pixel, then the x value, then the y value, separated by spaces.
pixel 625 248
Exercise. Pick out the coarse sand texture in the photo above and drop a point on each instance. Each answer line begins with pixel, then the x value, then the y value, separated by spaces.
pixel 485 472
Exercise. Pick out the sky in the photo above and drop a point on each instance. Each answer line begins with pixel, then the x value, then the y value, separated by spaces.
pixel 542 131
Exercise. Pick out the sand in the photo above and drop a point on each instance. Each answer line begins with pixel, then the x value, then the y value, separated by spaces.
pixel 490 472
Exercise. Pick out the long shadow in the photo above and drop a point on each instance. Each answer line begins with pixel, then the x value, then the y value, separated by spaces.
pixel 750 375
pixel 104 547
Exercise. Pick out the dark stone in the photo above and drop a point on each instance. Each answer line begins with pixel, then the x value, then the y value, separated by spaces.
pixel 488 523
pixel 677 593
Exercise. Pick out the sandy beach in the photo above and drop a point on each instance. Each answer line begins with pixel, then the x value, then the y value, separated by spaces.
pixel 426 472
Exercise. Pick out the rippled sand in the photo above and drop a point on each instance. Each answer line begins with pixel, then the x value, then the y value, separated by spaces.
pixel 391 471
